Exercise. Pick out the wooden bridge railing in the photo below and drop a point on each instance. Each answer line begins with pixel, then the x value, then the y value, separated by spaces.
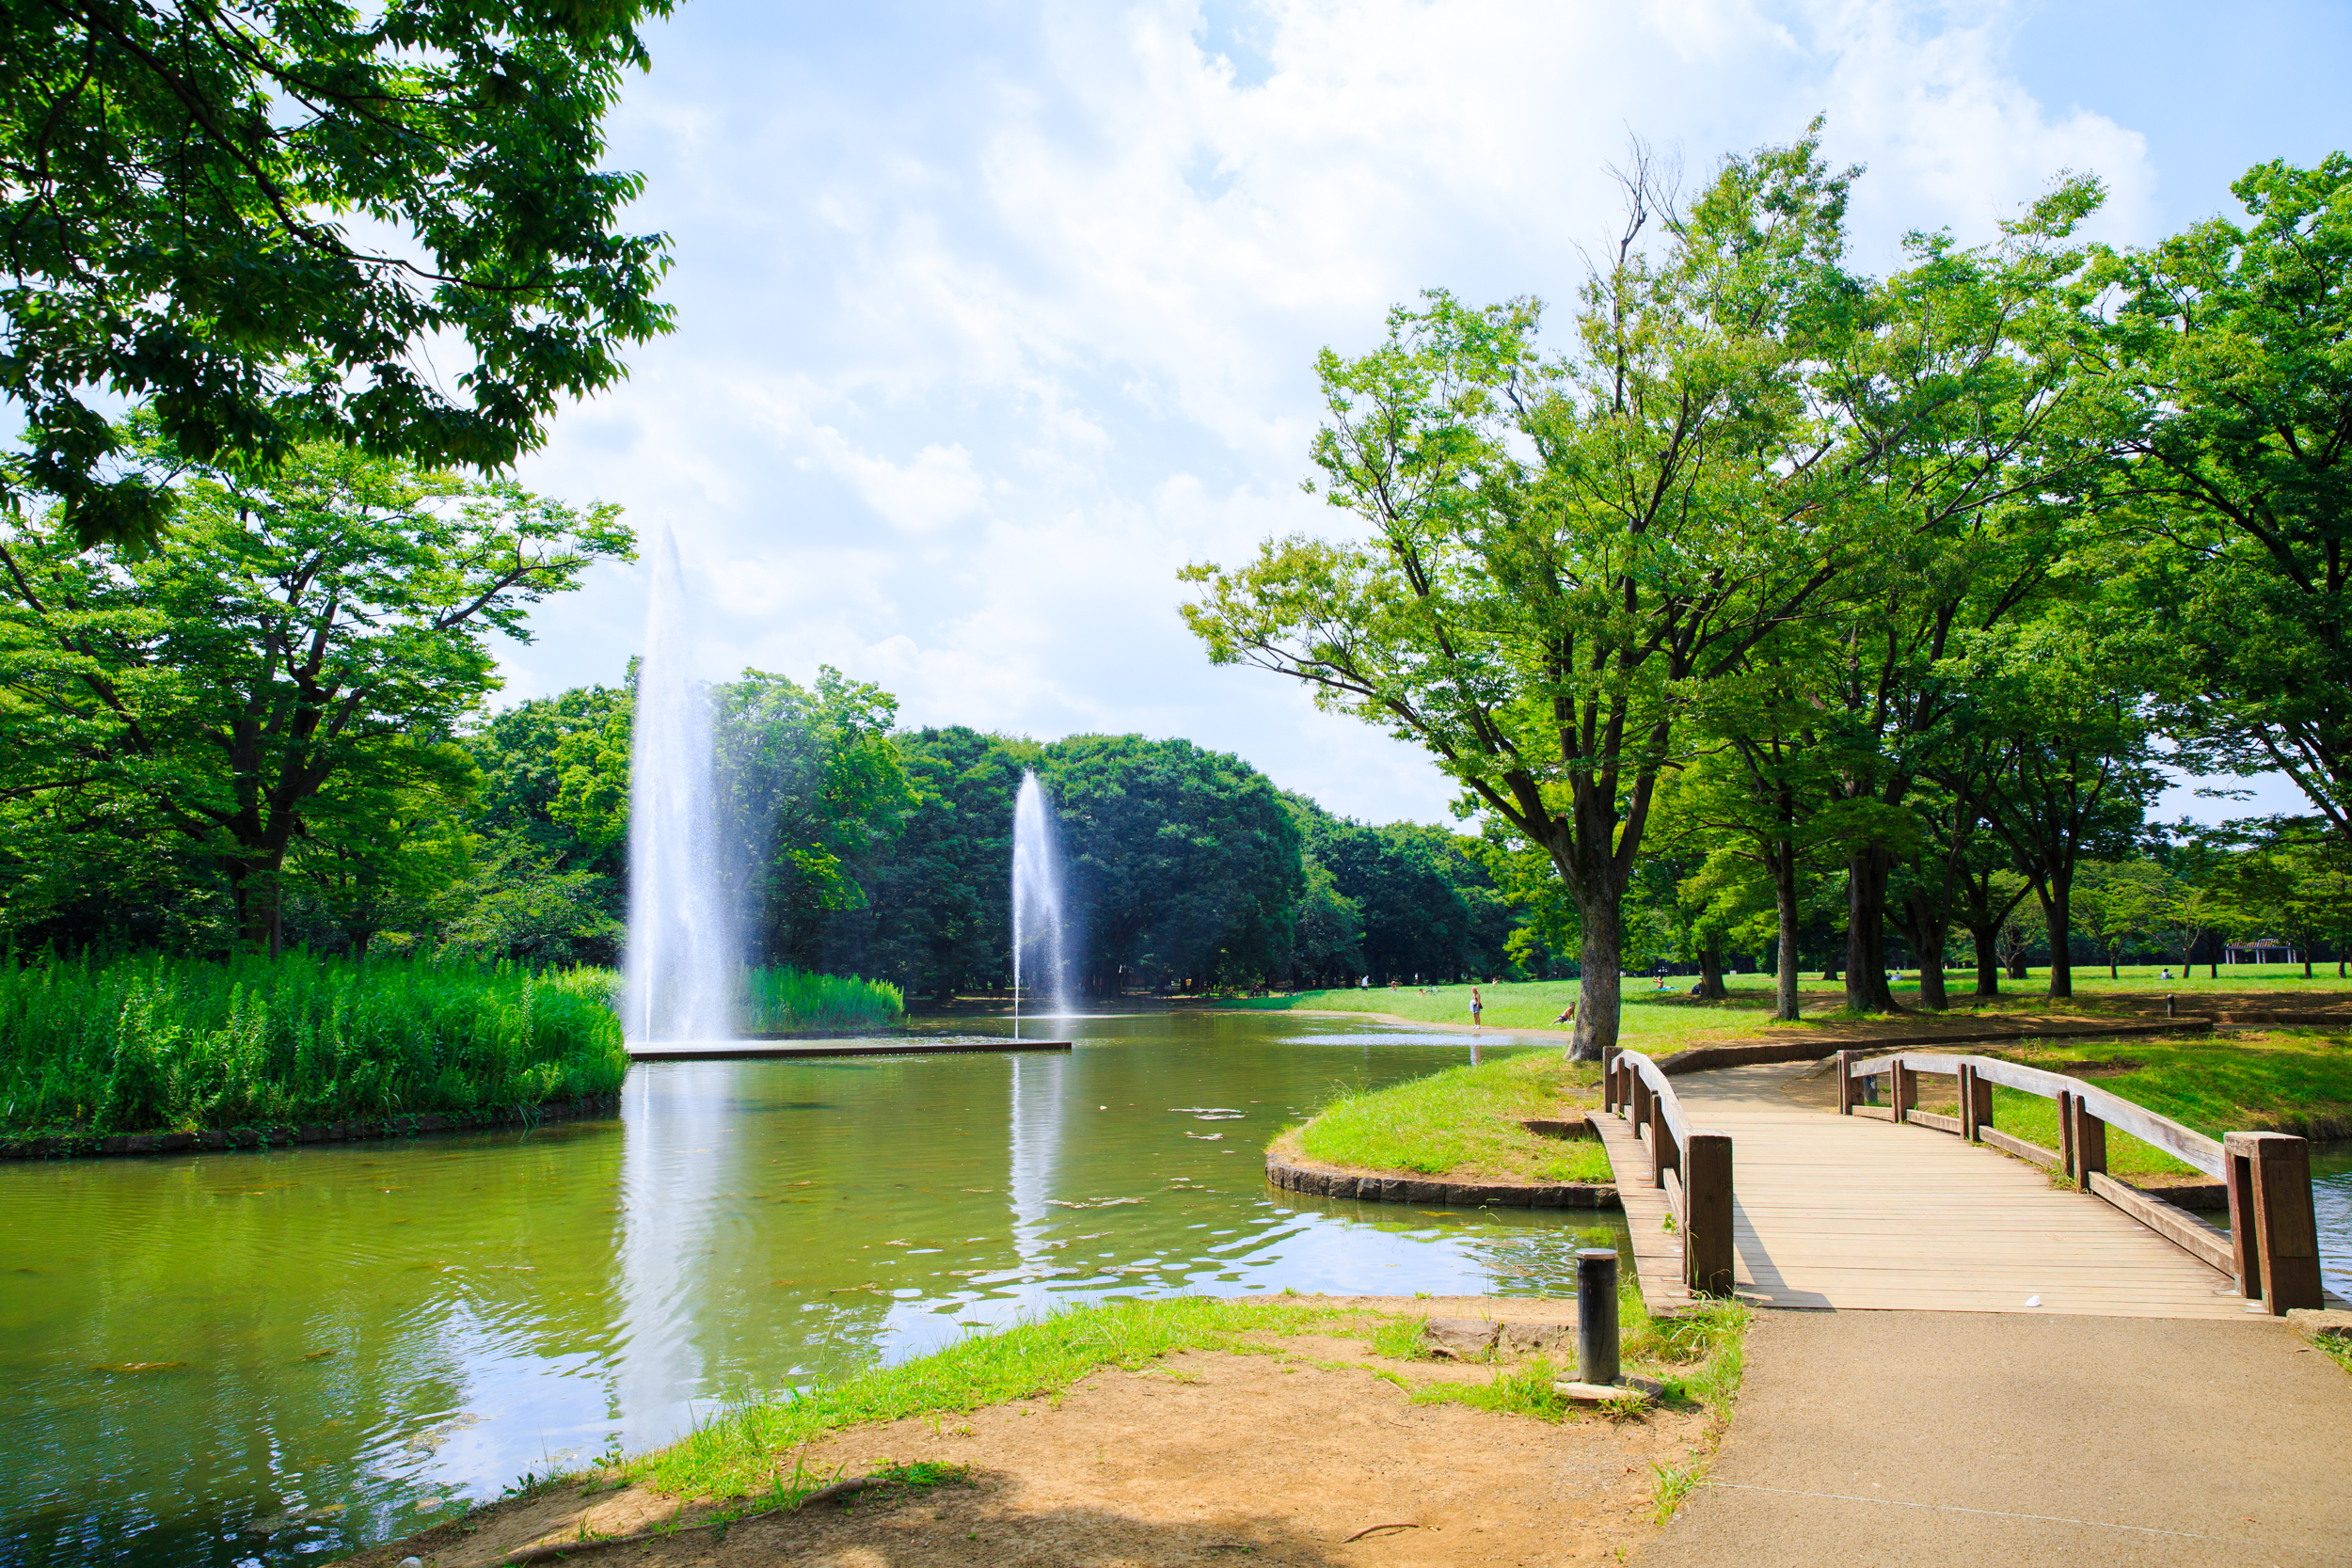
pixel 2272 1249
pixel 1691 1164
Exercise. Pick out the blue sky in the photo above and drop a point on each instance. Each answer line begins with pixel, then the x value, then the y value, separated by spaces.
pixel 991 316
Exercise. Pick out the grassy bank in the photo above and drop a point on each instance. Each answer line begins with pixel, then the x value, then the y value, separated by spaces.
pixel 157 1044
pixel 741 1453
pixel 1464 1123
pixel 781 999
pixel 1659 1022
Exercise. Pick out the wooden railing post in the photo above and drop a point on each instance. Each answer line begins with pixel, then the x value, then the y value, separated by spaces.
pixel 1848 1090
pixel 1968 1103
pixel 1979 1104
pixel 1904 1084
pixel 2066 1133
pixel 2090 1145
pixel 1641 1098
pixel 1706 1251
pixel 2274 1235
pixel 1609 1080
pixel 1663 1156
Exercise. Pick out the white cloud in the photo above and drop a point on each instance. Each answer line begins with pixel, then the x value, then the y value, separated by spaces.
pixel 984 335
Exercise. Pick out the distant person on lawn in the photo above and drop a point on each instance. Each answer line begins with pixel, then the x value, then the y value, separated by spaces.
pixel 1477 1006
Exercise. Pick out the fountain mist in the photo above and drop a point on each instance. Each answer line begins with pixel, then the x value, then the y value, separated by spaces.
pixel 1037 912
pixel 682 934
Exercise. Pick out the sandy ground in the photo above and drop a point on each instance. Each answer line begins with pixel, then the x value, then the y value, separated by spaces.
pixel 1305 1455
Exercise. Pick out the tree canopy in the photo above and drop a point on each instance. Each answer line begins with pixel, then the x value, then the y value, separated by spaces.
pixel 254 218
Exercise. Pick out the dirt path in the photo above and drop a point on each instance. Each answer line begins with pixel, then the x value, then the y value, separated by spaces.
pixel 1306 1455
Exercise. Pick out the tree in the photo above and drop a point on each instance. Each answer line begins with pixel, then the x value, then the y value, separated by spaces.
pixel 2073 767
pixel 1963 396
pixel 258 217
pixel 2117 903
pixel 811 785
pixel 380 848
pixel 1558 547
pixel 2230 361
pixel 308 628
pixel 1182 862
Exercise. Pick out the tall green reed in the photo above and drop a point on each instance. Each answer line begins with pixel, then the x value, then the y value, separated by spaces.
pixel 787 998
pixel 151 1043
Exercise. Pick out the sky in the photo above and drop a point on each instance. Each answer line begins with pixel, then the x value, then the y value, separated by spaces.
pixel 992 316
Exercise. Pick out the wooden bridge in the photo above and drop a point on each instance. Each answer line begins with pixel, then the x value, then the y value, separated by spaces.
pixel 1732 1185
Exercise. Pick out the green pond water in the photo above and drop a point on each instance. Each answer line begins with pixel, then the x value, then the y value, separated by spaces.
pixel 261 1357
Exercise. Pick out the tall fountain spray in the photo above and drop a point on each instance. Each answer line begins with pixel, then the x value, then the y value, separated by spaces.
pixel 1037 911
pixel 682 945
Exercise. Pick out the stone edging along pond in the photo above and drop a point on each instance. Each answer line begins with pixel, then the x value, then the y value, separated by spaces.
pixel 86 1147
pixel 1316 1181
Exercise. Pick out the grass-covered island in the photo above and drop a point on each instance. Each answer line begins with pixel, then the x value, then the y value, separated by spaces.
pixel 1465 1124
pixel 148 1044
pixel 1127 1410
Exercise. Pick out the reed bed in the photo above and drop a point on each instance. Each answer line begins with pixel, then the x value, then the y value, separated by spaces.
pixel 783 998
pixel 151 1043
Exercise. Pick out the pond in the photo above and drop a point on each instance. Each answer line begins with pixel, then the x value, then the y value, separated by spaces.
pixel 257 1358
pixel 2331 1203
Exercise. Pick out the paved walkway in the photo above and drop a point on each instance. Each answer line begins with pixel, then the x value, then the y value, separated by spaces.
pixel 1970 1439
pixel 1851 1212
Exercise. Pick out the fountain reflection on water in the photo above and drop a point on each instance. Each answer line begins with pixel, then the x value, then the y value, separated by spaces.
pixel 682 954
pixel 1038 955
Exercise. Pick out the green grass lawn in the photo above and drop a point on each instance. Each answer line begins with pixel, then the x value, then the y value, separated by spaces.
pixel 1660 1021
pixel 1464 1123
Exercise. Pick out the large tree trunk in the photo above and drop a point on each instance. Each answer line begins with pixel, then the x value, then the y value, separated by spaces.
pixel 1597 991
pixel 1929 957
pixel 1712 971
pixel 2017 968
pixel 1924 925
pixel 1785 903
pixel 2057 912
pixel 1865 933
pixel 259 899
pixel 1986 940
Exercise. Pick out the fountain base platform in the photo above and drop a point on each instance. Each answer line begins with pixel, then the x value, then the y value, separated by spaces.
pixel 760 1050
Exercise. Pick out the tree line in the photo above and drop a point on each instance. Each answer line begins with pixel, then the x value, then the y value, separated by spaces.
pixel 1929 575
pixel 273 733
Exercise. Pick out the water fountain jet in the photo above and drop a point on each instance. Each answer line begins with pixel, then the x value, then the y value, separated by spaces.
pixel 680 968
pixel 1037 901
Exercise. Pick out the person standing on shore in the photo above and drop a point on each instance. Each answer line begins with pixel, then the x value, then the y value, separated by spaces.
pixel 1477 1006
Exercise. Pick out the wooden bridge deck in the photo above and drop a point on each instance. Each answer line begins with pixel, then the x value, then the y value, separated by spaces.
pixel 1854 1213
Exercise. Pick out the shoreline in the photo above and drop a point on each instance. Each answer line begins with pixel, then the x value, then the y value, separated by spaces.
pixel 89 1146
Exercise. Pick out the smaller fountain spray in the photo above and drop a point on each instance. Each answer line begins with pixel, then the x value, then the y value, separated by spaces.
pixel 1036 905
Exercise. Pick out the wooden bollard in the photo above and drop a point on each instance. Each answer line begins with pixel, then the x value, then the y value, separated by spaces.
pixel 1707 1256
pixel 2274 1235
